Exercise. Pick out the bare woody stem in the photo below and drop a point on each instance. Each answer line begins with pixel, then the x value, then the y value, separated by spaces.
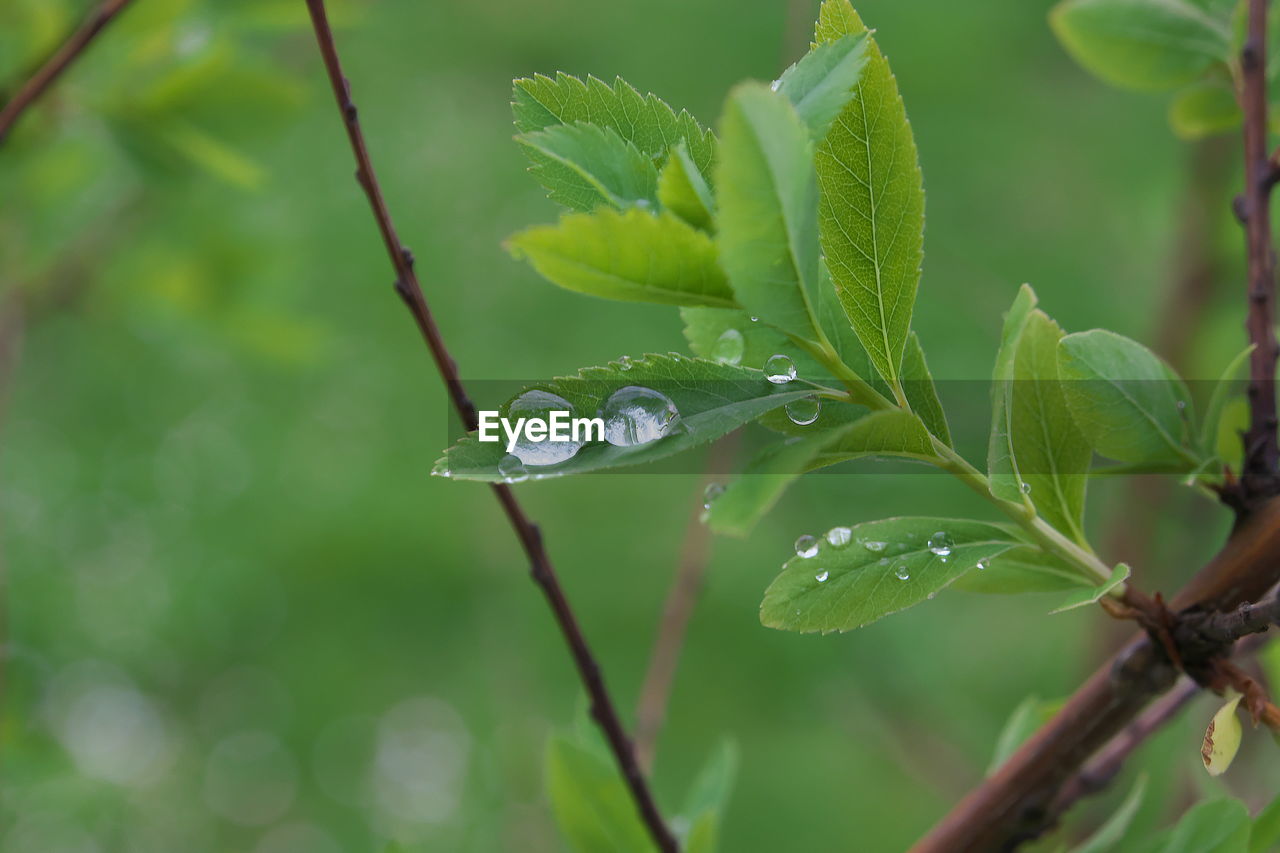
pixel 602 707
pixel 30 91
pixel 1262 452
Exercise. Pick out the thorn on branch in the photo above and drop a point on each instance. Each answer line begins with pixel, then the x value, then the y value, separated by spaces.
pixel 1240 207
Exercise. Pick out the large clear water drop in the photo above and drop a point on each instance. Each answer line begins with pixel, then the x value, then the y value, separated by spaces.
pixel 806 547
pixel 540 405
pixel 779 369
pixel 635 415
pixel 729 347
pixel 804 411
pixel 511 469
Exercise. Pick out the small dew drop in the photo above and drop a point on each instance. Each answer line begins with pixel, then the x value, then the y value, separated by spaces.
pixel 625 362
pixel 755 319
pixel 931 595
pixel 511 469
pixel 806 547
pixel 1026 488
pixel 839 536
pixel 804 411
pixel 779 369
pixel 729 347
pixel 821 577
pixel 634 415
pixel 874 545
pixel 982 564
pixel 713 491
pixel 775 85
pixel 884 561
pixel 940 544
pixel 901 572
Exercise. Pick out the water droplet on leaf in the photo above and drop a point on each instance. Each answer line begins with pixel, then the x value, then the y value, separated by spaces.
pixel 982 564
pixel 729 347
pixel 804 411
pixel 635 415
pixel 779 369
pixel 901 572
pixel 821 577
pixel 806 547
pixel 511 469
pixel 709 495
pixel 839 536
pixel 539 405
pixel 1026 488
pixel 874 546
pixel 940 543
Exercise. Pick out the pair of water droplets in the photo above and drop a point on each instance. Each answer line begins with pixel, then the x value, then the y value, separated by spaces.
pixel 779 369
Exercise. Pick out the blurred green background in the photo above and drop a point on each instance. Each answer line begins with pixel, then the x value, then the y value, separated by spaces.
pixel 240 614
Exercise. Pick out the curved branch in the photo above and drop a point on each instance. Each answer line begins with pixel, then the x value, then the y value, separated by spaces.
pixel 602 706
pixel 30 91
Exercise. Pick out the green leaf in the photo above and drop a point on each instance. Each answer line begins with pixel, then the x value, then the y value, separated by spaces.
pixel 683 191
pixel 871 208
pixel 821 83
pixel 1026 568
pixel 1002 467
pixel 592 806
pixel 632 255
pixel 839 331
pixel 1222 391
pixel 1203 109
pixel 1083 597
pixel 712 400
pixel 704 329
pixel 1212 826
pixel 1051 453
pixel 1266 829
pixel 921 393
pixel 1031 713
pixel 584 165
pixel 844 588
pixel 1113 831
pixel 708 798
pixel 1141 44
pixel 768 198
pixel 644 120
pixel 757 489
pixel 1128 403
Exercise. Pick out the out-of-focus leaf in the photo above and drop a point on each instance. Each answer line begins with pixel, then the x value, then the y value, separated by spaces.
pixel 708 798
pixel 871 209
pixel 632 255
pixel 1142 44
pixel 888 566
pixel 644 120
pixel 921 393
pixel 214 156
pixel 1113 831
pixel 1002 466
pixel 683 191
pixel 593 809
pixel 1031 713
pixel 767 198
pixel 1218 401
pixel 1212 826
pixel 711 399
pixel 821 83
pixel 1265 835
pixel 1203 109
pixel 585 165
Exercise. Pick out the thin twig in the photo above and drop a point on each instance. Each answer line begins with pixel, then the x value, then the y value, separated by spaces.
pixel 602 706
pixel 30 91
pixel 1260 477
pixel 651 710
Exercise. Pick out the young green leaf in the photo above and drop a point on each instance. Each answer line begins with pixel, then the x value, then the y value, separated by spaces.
pixel 644 120
pixel 1113 831
pixel 1052 454
pixel 1083 597
pixel 1002 466
pixel 921 393
pixel 1026 568
pixel 1203 109
pixel 591 804
pixel 888 433
pixel 709 797
pixel 835 324
pixel 1222 738
pixel 821 83
pixel 1129 404
pixel 1213 410
pixel 888 566
pixel 1142 44
pixel 584 165
pixel 767 203
pixel 631 255
pixel 683 191
pixel 871 208
pixel 710 400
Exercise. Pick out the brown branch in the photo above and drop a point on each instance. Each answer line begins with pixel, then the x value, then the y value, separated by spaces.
pixel 602 706
pixel 651 710
pixel 1260 477
pixel 30 91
